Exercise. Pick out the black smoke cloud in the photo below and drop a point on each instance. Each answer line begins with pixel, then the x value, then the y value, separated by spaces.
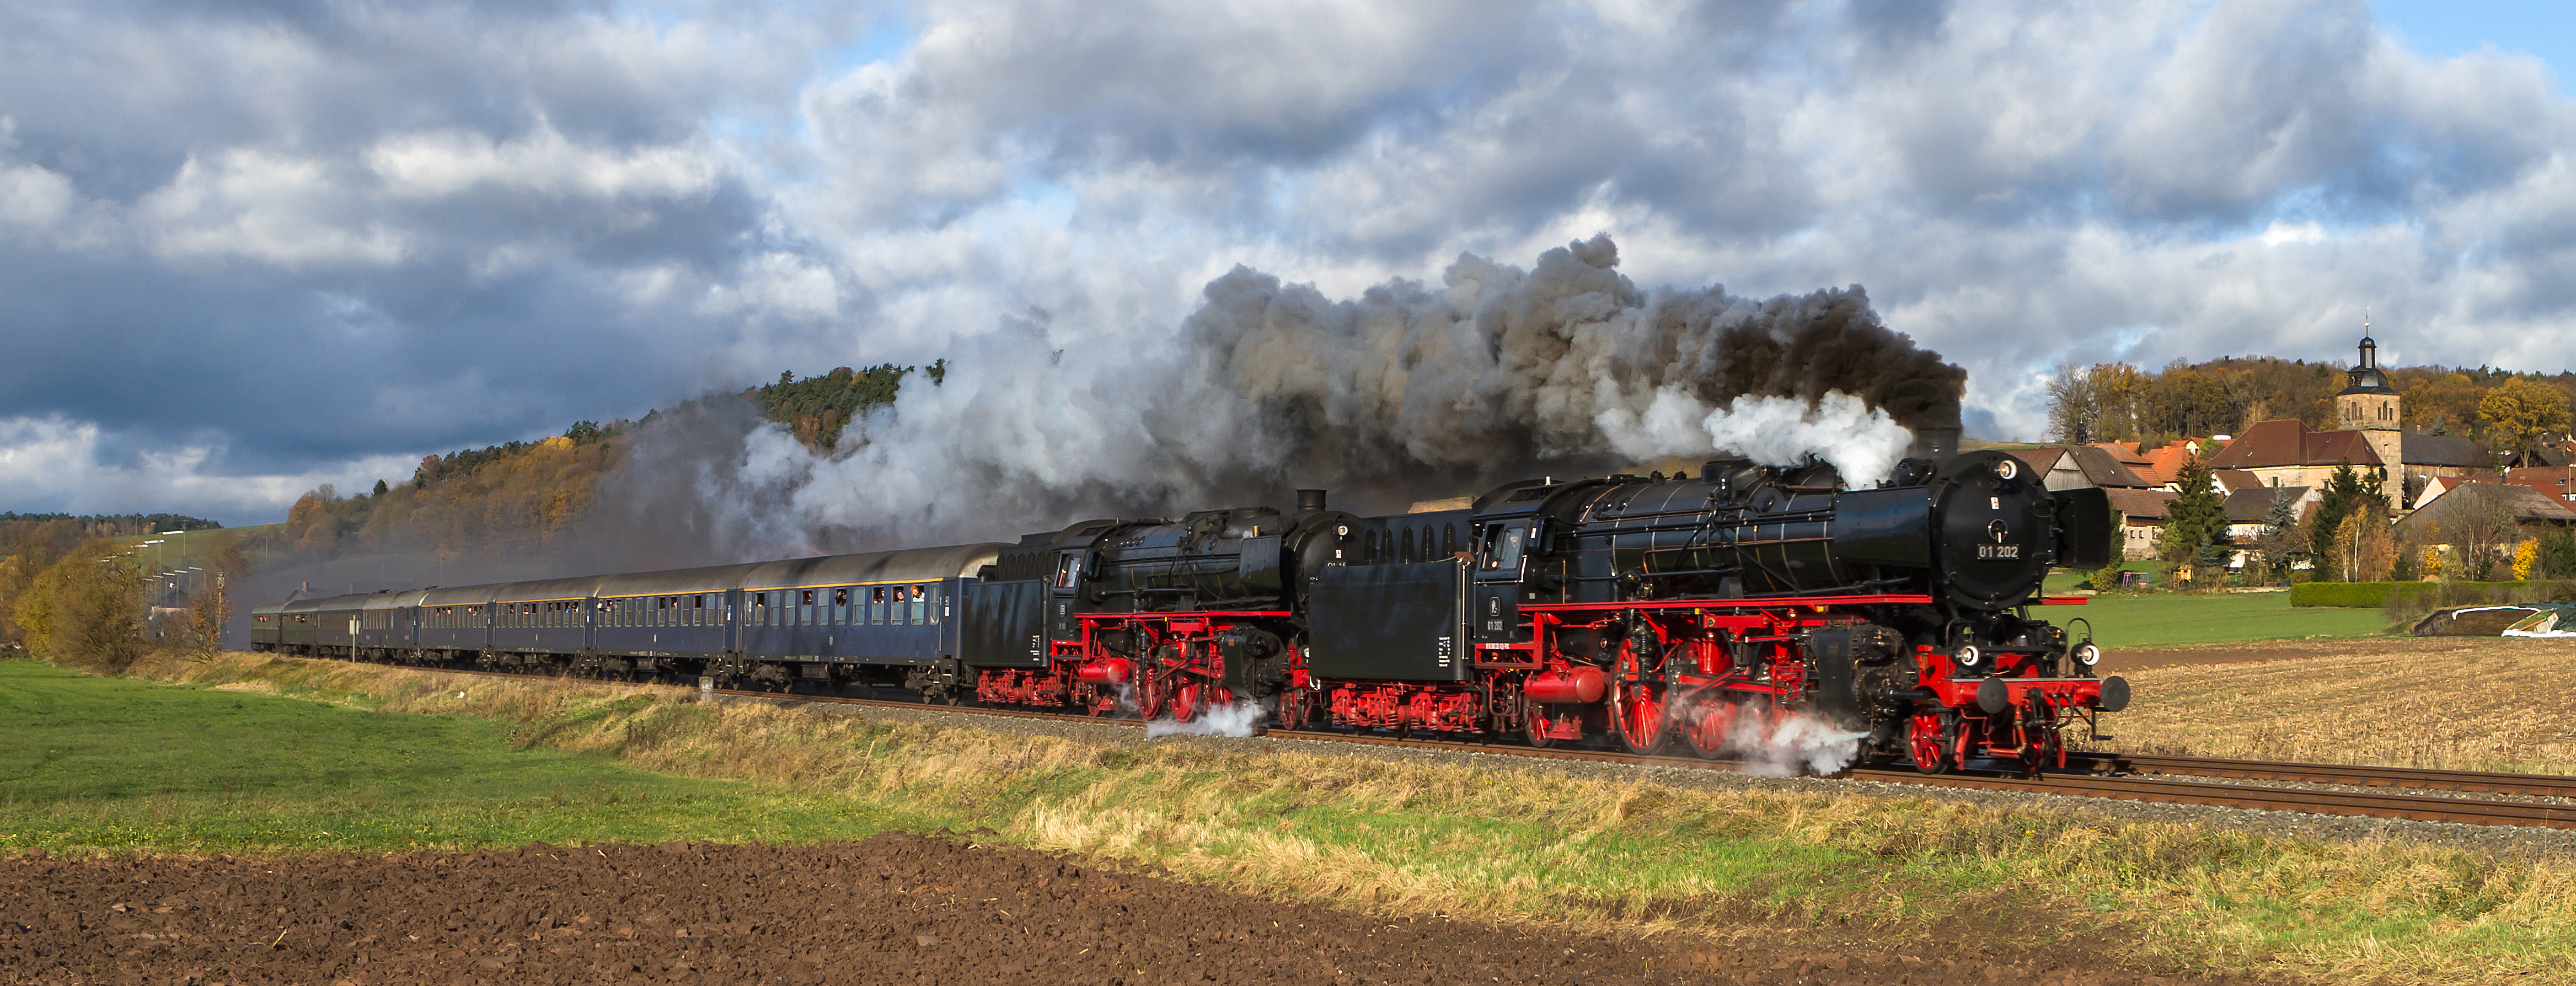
pixel 1408 391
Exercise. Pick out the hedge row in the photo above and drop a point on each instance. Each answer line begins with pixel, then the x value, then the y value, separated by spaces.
pixel 2362 595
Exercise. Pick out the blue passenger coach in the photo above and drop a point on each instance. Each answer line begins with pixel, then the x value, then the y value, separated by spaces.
pixel 883 618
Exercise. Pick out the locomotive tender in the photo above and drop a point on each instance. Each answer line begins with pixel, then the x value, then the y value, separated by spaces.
pixel 1647 611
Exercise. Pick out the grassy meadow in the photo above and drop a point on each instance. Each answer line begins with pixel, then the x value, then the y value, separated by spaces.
pixel 114 763
pixel 1506 843
pixel 2171 619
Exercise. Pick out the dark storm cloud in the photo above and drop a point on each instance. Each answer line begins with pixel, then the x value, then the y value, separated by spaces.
pixel 251 247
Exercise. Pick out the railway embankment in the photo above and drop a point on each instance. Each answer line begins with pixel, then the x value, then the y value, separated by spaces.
pixel 1823 866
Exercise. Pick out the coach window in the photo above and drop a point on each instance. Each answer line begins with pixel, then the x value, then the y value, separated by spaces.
pixel 805 607
pixel 840 607
pixel 920 605
pixel 760 609
pixel 876 605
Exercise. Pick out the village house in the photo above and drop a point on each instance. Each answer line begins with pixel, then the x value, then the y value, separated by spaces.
pixel 2077 467
pixel 2556 482
pixel 2142 520
pixel 2249 511
pixel 2443 519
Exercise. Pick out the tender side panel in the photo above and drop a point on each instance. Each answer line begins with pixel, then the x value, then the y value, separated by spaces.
pixel 1390 622
pixel 1005 624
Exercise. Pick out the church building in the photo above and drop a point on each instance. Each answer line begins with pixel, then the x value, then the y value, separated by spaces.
pixel 2286 453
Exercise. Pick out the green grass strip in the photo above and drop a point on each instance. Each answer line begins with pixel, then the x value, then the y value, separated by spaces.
pixel 110 763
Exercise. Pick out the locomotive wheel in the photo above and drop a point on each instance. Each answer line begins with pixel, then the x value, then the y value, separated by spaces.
pixel 1185 702
pixel 1930 743
pixel 1716 722
pixel 1636 707
pixel 1534 725
pixel 2043 752
pixel 1292 709
pixel 1149 695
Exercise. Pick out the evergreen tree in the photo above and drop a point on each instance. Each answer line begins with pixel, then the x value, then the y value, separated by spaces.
pixel 2344 493
pixel 2280 530
pixel 2196 521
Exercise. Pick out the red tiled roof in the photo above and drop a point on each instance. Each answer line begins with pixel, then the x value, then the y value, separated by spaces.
pixel 2165 464
pixel 2558 482
pixel 2237 480
pixel 2288 442
pixel 2042 459
pixel 2141 504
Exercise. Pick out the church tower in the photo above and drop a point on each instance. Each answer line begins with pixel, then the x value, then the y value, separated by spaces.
pixel 2369 405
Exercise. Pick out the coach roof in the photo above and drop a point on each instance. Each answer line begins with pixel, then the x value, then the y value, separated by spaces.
pixel 917 565
pixel 573 588
pixel 677 581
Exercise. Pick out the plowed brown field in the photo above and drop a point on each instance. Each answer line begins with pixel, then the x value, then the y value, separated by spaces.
pixel 892 909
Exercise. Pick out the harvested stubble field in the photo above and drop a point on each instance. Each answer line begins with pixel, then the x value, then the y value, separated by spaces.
pixel 1773 875
pixel 2449 703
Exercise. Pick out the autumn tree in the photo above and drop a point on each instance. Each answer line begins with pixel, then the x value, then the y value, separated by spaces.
pixel 2364 549
pixel 2480 528
pixel 2522 414
pixel 2449 399
pixel 2346 493
pixel 86 610
pixel 2074 408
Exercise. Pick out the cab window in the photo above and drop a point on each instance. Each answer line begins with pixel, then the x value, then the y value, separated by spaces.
pixel 1502 552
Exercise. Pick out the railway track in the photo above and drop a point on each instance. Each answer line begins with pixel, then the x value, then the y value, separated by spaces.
pixel 2124 777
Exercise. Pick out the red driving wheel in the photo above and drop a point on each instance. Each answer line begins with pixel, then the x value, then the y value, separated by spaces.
pixel 1708 736
pixel 1929 740
pixel 1636 705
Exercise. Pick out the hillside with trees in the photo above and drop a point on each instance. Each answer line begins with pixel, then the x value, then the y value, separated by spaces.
pixel 521 500
pixel 2119 402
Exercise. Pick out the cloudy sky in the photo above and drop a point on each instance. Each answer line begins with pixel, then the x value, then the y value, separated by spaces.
pixel 247 248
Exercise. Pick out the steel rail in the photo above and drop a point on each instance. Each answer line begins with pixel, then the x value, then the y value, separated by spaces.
pixel 2417 778
pixel 2073 783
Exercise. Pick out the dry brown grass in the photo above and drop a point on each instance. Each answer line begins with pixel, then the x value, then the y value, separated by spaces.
pixel 1530 845
pixel 2448 703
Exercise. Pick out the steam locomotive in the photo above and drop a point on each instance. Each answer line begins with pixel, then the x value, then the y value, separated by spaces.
pixel 1706 612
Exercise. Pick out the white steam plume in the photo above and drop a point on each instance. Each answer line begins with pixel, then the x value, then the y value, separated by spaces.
pixel 1861 441
pixel 1408 391
pixel 1239 719
pixel 1795 744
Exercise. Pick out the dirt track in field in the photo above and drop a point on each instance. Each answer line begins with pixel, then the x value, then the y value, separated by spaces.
pixel 893 909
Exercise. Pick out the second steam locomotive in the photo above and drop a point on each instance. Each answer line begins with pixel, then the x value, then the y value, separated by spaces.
pixel 1701 611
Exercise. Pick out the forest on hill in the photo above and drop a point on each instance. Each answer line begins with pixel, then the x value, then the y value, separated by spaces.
pixel 524 499
pixel 2120 402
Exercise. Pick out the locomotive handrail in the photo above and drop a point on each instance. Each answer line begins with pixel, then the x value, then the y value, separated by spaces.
pixel 1748 602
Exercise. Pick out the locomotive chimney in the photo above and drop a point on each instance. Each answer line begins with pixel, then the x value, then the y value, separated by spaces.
pixel 1936 434
pixel 1310 501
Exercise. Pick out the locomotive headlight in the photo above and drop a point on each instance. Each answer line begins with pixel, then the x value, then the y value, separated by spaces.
pixel 2089 655
pixel 2007 469
pixel 1969 655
